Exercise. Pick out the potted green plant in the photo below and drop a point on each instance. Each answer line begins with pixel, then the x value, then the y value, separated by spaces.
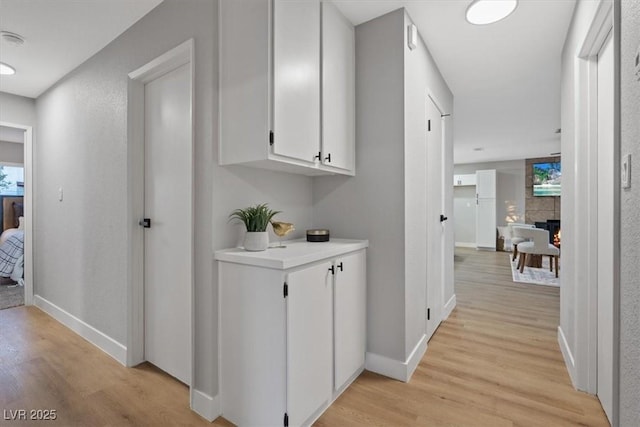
pixel 256 219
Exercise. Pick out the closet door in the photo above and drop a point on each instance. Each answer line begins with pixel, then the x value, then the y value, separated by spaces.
pixel 296 79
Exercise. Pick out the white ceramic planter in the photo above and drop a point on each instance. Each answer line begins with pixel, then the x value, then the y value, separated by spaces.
pixel 256 241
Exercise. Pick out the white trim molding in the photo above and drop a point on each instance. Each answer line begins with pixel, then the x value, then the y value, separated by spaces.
pixel 569 360
pixel 104 342
pixel 401 371
pixel 204 405
pixel 448 307
pixel 465 245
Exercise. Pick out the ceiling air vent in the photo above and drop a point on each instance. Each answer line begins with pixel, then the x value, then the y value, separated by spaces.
pixel 12 38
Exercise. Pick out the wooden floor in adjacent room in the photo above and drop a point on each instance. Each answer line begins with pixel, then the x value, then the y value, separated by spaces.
pixel 494 362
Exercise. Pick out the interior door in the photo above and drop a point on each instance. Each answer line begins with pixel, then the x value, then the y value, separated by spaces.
pixel 167 242
pixel 435 231
pixel 309 341
pixel 296 78
pixel 606 172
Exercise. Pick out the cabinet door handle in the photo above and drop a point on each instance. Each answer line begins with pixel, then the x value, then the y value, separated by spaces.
pixel 332 270
pixel 318 156
pixel 340 267
pixel 328 158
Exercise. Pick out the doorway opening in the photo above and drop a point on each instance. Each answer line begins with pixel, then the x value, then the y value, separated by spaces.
pixel 16 215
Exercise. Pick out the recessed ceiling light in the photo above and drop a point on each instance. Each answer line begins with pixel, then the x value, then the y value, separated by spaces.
pixel 6 70
pixel 478 149
pixel 482 12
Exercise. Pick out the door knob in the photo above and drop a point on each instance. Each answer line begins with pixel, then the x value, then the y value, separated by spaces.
pixel 145 222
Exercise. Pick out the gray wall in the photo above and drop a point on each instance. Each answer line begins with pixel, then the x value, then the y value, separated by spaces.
pixel 358 207
pixel 372 205
pixel 17 109
pixel 11 152
pixel 630 232
pixel 82 135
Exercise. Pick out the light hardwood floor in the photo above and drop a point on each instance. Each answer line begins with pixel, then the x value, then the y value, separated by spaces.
pixel 494 362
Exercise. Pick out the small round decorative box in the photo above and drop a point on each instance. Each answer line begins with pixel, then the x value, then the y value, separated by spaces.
pixel 318 235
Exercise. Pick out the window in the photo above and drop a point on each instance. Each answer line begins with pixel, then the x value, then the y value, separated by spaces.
pixel 11 181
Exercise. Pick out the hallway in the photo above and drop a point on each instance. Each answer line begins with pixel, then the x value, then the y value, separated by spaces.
pixel 494 362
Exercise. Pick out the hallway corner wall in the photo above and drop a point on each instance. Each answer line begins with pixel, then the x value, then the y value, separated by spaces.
pixel 630 230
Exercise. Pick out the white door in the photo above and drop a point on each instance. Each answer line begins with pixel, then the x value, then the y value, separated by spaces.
pixel 605 226
pixel 338 88
pixel 350 318
pixel 309 341
pixel 296 85
pixel 435 233
pixel 168 241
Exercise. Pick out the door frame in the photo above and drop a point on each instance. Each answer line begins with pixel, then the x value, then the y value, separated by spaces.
pixel 165 63
pixel 28 210
pixel 586 354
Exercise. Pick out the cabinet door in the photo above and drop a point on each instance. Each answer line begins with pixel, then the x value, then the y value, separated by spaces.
pixel 486 184
pixel 486 223
pixel 309 341
pixel 296 85
pixel 338 89
pixel 350 318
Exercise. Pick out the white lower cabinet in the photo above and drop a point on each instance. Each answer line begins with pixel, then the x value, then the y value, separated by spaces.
pixel 292 330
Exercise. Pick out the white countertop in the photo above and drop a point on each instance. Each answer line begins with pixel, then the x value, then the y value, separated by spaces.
pixel 296 253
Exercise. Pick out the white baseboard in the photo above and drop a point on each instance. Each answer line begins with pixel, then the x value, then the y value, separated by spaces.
pixel 569 360
pixel 86 331
pixel 204 405
pixel 401 371
pixel 465 245
pixel 448 307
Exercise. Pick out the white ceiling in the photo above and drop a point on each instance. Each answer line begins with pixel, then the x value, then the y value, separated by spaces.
pixel 505 77
pixel 9 134
pixel 60 35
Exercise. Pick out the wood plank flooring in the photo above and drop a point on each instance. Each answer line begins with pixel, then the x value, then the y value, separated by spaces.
pixel 495 362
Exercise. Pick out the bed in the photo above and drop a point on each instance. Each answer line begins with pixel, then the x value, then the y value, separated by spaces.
pixel 12 253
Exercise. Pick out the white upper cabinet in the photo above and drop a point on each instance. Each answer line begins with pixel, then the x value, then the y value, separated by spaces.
pixel 338 89
pixel 282 106
pixel 296 79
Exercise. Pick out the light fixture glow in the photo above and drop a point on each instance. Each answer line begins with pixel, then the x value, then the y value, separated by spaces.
pixel 6 70
pixel 482 12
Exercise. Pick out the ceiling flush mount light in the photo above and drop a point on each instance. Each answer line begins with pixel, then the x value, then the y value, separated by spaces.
pixel 6 70
pixel 482 12
pixel 478 149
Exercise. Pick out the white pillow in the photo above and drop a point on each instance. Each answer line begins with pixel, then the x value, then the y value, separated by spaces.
pixel 21 223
